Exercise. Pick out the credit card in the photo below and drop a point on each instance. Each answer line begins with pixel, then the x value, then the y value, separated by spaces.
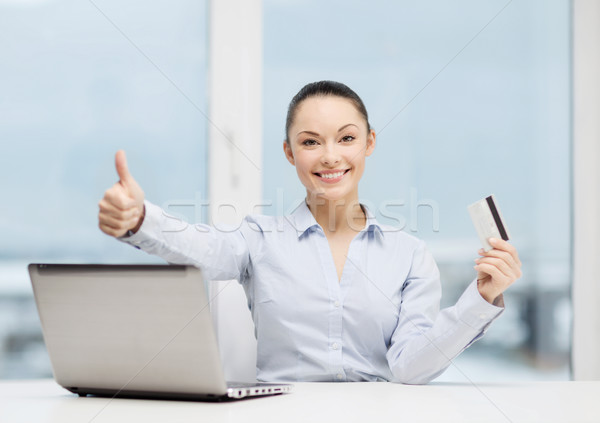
pixel 488 221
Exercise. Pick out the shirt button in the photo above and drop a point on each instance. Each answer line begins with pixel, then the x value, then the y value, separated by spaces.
pixel 339 376
pixel 335 346
pixel 482 316
pixel 336 304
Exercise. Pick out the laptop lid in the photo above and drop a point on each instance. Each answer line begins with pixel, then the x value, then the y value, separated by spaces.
pixel 128 328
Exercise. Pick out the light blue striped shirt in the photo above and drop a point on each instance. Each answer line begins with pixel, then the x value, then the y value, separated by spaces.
pixel 380 322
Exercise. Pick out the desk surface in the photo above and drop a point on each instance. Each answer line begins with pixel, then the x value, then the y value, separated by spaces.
pixel 45 401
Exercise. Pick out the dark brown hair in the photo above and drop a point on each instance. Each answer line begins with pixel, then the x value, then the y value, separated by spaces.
pixel 323 89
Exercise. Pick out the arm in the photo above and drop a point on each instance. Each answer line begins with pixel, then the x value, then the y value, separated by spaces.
pixel 123 210
pixel 220 254
pixel 426 340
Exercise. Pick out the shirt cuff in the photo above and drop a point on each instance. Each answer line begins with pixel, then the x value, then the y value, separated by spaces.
pixel 475 311
pixel 147 231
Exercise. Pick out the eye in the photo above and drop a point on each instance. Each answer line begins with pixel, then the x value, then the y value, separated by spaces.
pixel 348 138
pixel 309 142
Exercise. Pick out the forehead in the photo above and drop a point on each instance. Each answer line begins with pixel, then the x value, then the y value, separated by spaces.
pixel 328 111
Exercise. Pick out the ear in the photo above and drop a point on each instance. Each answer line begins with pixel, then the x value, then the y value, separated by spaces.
pixel 370 143
pixel 289 154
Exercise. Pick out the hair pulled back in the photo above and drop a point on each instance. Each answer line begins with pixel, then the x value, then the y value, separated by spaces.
pixel 323 89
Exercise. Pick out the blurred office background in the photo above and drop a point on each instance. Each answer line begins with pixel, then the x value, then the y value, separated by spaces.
pixel 469 98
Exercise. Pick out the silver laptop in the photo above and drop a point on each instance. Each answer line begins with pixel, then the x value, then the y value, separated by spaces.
pixel 133 331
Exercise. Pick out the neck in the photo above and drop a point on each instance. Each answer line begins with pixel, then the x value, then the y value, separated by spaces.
pixel 337 216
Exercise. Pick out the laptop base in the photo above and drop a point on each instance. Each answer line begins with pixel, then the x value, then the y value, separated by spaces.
pixel 235 391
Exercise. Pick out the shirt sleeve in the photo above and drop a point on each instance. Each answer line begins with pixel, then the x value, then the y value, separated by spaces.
pixel 425 339
pixel 221 253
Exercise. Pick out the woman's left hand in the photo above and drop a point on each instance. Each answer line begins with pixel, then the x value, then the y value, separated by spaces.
pixel 497 269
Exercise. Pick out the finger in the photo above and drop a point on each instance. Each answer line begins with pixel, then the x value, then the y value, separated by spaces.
pixel 498 263
pixel 118 197
pixel 494 272
pixel 109 209
pixel 511 272
pixel 118 224
pixel 503 255
pixel 500 244
pixel 111 231
pixel 122 169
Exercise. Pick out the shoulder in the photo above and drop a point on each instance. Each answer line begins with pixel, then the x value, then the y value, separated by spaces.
pixel 395 237
pixel 397 243
pixel 271 226
pixel 261 222
pixel 391 237
pixel 268 235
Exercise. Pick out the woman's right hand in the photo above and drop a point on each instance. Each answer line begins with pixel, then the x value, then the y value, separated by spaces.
pixel 122 207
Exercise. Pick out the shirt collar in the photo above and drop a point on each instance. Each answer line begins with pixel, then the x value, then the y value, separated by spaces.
pixel 372 223
pixel 305 221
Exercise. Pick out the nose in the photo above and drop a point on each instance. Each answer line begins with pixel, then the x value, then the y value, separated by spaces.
pixel 331 155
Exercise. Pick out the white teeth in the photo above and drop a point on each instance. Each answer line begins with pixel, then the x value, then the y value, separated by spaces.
pixel 332 175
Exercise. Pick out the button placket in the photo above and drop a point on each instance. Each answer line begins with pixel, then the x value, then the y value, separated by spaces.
pixel 335 312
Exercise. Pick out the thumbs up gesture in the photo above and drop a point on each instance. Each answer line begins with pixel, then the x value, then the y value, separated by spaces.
pixel 122 207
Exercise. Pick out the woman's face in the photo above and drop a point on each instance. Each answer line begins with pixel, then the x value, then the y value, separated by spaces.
pixel 328 143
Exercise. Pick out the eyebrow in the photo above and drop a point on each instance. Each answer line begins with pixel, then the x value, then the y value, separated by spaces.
pixel 316 134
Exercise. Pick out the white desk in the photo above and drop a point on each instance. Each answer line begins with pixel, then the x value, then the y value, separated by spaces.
pixel 564 402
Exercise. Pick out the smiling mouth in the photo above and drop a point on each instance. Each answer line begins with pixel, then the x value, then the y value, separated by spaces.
pixel 333 175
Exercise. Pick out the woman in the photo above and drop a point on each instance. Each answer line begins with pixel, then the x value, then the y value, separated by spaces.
pixel 335 296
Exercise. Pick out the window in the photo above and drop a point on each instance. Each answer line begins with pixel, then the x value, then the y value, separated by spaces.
pixel 468 99
pixel 79 81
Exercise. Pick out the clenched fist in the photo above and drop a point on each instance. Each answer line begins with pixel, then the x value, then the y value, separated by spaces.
pixel 122 207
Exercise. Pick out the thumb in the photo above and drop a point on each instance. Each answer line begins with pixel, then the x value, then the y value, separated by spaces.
pixel 121 165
